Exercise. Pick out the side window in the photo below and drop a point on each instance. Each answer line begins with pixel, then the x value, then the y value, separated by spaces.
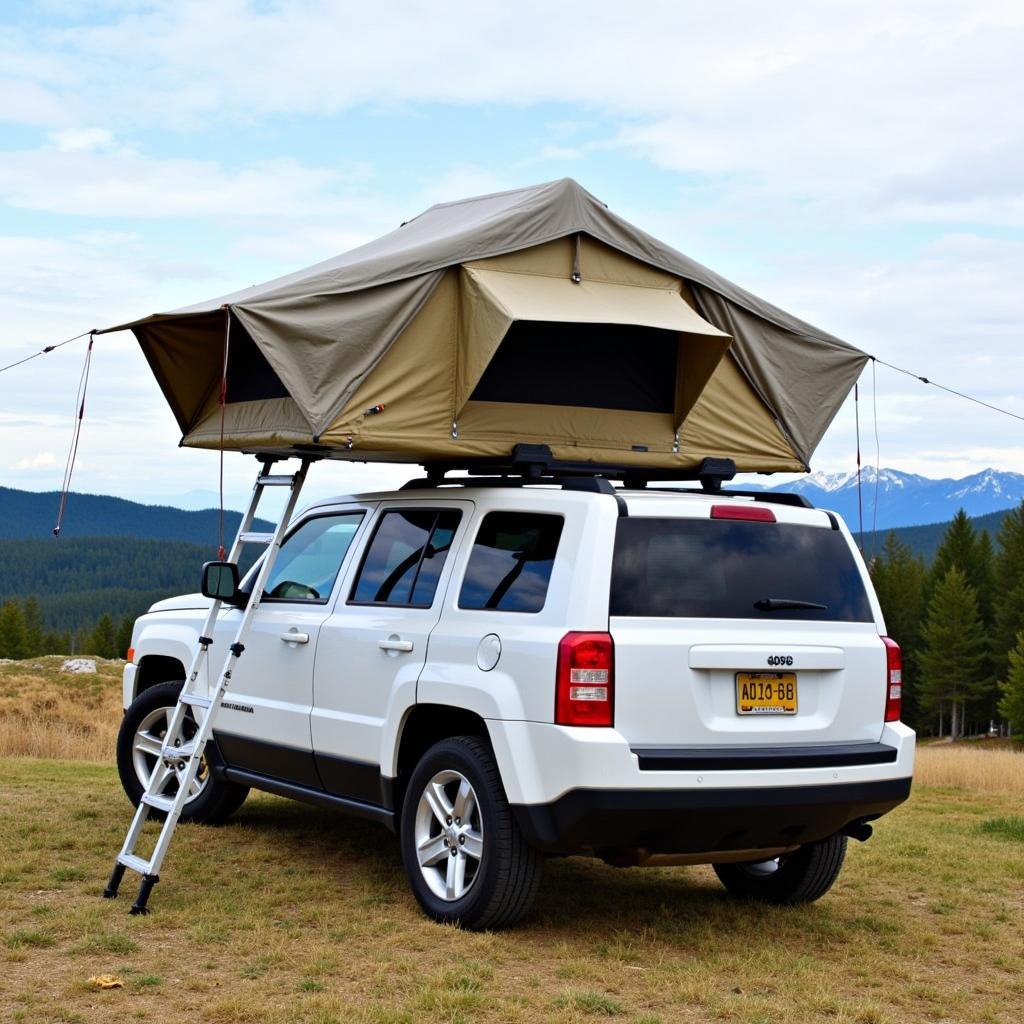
pixel 511 562
pixel 310 558
pixel 404 560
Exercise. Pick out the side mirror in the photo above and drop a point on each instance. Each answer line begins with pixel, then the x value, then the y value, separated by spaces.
pixel 220 581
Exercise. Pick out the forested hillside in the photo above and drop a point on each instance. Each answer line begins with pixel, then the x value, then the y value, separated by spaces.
pixel 925 540
pixel 32 513
pixel 77 579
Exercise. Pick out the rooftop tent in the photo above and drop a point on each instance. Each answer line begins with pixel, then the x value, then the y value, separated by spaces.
pixel 531 316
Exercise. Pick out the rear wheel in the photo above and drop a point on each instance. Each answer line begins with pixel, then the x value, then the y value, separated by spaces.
pixel 802 876
pixel 464 855
pixel 139 740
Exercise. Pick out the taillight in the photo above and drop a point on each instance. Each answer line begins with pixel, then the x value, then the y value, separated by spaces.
pixel 893 679
pixel 750 513
pixel 584 681
pixel 130 655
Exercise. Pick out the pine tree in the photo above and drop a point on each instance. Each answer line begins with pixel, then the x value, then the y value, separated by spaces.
pixel 1011 707
pixel 35 637
pixel 12 631
pixel 103 641
pixel 952 658
pixel 899 579
pixel 984 577
pixel 970 552
pixel 124 636
pixel 958 548
pixel 1008 614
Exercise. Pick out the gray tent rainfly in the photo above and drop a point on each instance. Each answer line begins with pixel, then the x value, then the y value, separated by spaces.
pixel 534 316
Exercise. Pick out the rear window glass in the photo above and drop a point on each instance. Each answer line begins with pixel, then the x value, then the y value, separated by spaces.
pixel 404 560
pixel 708 568
pixel 511 562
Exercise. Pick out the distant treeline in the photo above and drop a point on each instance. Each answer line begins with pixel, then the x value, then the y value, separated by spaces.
pixel 960 623
pixel 23 635
pixel 78 579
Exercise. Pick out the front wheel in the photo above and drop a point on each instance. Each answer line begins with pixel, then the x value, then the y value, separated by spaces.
pixel 466 860
pixel 139 741
pixel 802 876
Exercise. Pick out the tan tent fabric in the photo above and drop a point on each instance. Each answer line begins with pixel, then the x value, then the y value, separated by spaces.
pixel 492 300
pixel 316 341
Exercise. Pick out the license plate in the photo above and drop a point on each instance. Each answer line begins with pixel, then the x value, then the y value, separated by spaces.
pixel 766 693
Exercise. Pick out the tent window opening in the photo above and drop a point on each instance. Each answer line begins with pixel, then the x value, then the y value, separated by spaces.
pixel 250 377
pixel 597 366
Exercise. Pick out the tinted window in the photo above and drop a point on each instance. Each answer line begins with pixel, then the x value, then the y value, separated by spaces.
pixel 309 559
pixel 707 568
pixel 511 562
pixel 405 557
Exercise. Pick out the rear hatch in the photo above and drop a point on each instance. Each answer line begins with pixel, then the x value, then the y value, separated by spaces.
pixel 740 632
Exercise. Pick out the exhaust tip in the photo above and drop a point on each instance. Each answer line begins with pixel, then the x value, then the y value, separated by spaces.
pixel 859 830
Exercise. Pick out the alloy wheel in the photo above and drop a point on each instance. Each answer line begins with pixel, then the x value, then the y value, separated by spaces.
pixel 449 835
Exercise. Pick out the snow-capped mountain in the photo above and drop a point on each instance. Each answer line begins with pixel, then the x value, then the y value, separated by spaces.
pixel 906 499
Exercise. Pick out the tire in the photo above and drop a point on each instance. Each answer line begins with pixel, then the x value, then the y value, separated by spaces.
pixel 498 886
pixel 799 877
pixel 146 720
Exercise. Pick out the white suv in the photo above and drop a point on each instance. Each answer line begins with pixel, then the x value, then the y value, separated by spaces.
pixel 498 673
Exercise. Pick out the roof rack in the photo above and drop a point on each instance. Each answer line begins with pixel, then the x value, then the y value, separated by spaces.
pixel 769 497
pixel 534 464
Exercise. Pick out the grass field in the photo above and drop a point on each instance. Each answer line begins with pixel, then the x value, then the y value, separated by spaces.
pixel 291 913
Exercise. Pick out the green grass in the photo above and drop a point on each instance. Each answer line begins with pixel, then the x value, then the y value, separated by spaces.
pixel 292 914
pixel 1011 827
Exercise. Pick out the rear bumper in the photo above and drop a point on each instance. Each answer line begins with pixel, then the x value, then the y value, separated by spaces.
pixel 704 820
pixel 578 789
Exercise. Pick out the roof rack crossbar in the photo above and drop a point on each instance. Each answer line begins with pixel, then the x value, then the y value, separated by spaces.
pixel 534 463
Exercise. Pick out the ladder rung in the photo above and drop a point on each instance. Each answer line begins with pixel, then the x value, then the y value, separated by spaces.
pixel 129 860
pixel 196 700
pixel 275 480
pixel 256 538
pixel 161 803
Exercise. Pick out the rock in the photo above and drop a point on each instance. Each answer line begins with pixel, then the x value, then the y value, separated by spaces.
pixel 79 665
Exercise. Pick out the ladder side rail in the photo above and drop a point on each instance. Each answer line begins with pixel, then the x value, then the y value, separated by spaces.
pixel 205 727
pixel 184 761
pixel 245 524
pixel 177 720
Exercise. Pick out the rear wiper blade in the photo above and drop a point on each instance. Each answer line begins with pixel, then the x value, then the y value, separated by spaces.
pixel 776 604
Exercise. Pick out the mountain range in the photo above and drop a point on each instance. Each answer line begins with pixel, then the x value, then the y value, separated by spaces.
pixel 906 499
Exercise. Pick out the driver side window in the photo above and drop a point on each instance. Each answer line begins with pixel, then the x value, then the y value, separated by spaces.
pixel 308 562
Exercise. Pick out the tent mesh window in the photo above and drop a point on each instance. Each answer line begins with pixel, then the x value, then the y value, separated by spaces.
pixel 597 366
pixel 250 377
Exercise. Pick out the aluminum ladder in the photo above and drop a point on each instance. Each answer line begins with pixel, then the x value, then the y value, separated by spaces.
pixel 180 756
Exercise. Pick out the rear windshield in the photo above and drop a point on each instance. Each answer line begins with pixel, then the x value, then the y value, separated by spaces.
pixel 718 569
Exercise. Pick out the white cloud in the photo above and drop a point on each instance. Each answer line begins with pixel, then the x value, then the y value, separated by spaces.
pixel 910 108
pixel 127 184
pixel 41 461
pixel 81 140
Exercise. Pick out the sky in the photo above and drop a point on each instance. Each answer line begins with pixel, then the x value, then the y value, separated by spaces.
pixel 861 167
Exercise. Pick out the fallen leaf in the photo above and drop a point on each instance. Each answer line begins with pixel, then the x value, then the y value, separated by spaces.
pixel 105 981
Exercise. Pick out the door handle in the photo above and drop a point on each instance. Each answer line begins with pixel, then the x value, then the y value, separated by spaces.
pixel 293 637
pixel 394 644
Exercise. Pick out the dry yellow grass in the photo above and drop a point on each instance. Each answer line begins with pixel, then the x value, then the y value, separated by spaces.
pixel 971 766
pixel 48 713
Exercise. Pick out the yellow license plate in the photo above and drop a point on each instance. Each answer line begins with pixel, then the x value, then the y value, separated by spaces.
pixel 766 693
